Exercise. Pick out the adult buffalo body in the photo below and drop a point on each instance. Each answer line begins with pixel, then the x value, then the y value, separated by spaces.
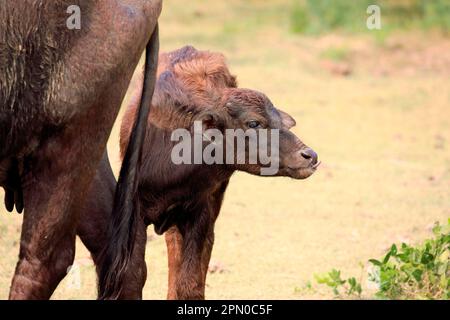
pixel 184 200
pixel 60 92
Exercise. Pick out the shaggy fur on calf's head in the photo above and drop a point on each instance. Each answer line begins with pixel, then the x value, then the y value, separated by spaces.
pixel 190 83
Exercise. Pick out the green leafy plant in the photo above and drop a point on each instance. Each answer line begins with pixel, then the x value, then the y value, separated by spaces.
pixel 333 280
pixel 420 272
pixel 405 272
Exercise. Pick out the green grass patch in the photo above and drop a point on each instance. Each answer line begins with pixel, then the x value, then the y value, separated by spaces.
pixel 405 271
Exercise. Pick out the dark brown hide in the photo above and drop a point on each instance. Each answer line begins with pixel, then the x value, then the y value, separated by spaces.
pixel 60 92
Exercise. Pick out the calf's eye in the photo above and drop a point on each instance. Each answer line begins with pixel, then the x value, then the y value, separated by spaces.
pixel 253 124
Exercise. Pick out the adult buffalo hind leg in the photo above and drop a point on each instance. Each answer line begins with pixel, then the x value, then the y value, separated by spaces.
pixel 56 176
pixel 55 179
pixel 48 231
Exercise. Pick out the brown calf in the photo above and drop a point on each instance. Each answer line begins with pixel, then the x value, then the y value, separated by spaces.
pixel 184 200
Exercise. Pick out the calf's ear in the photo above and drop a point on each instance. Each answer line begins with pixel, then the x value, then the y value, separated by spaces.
pixel 212 120
pixel 287 120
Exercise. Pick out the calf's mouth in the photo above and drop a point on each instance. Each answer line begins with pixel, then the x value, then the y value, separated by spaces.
pixel 301 172
pixel 303 164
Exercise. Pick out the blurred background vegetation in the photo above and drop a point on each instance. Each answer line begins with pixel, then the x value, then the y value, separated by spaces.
pixel 319 16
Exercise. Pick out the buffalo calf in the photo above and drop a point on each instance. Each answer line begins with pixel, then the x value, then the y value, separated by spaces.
pixel 183 200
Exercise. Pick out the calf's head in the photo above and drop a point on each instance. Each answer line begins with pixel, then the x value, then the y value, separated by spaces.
pixel 266 146
pixel 239 129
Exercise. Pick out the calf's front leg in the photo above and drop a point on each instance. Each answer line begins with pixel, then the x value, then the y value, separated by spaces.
pixel 189 248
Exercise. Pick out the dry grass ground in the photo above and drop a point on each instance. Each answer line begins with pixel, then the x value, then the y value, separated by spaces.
pixel 381 128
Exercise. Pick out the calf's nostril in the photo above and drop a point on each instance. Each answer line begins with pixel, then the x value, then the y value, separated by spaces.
pixel 310 155
pixel 306 155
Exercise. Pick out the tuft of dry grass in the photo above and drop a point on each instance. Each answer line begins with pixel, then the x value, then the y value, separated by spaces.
pixel 383 138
